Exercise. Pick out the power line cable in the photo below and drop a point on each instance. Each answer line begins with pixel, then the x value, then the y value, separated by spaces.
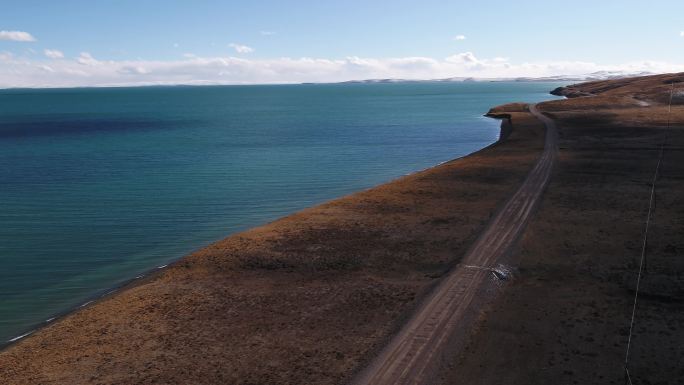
pixel 628 378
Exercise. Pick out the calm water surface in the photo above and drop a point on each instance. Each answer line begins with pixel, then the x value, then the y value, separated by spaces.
pixel 100 185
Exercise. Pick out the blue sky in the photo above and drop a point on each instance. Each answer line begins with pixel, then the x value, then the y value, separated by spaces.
pixel 100 39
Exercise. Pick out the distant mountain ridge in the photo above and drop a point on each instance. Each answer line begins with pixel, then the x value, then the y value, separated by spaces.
pixel 598 75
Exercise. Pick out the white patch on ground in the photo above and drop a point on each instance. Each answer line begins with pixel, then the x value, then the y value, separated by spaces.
pixel 502 272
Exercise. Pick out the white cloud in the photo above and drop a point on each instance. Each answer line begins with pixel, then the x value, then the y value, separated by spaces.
pixel 86 59
pixel 459 37
pixel 85 70
pixel 239 48
pixel 267 33
pixel 132 70
pixel 681 34
pixel 465 57
pixel 53 54
pixel 16 36
pixel 6 56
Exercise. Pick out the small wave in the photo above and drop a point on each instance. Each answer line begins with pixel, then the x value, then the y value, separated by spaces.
pixel 20 337
pixel 87 303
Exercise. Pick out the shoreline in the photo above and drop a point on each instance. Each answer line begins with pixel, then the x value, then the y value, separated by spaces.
pixel 90 300
pixel 419 274
pixel 505 129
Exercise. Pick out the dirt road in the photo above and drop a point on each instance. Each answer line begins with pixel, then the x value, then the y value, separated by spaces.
pixel 414 354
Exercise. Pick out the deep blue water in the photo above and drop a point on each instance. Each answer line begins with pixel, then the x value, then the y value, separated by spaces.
pixel 100 185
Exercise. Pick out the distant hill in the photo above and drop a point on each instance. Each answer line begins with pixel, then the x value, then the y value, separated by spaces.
pixel 594 76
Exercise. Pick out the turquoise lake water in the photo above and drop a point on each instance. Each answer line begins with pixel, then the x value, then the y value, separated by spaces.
pixel 100 185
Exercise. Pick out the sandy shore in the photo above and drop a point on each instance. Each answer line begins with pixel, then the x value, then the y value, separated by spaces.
pixel 307 299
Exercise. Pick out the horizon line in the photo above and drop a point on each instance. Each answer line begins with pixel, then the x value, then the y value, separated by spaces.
pixel 458 79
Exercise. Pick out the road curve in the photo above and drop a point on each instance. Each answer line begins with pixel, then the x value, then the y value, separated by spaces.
pixel 414 354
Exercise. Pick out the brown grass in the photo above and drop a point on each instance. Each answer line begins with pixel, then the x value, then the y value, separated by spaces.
pixel 307 299
pixel 565 318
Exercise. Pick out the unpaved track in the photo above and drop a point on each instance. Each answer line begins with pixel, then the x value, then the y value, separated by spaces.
pixel 413 355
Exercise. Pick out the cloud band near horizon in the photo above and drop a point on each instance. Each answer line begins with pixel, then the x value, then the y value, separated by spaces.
pixel 85 70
